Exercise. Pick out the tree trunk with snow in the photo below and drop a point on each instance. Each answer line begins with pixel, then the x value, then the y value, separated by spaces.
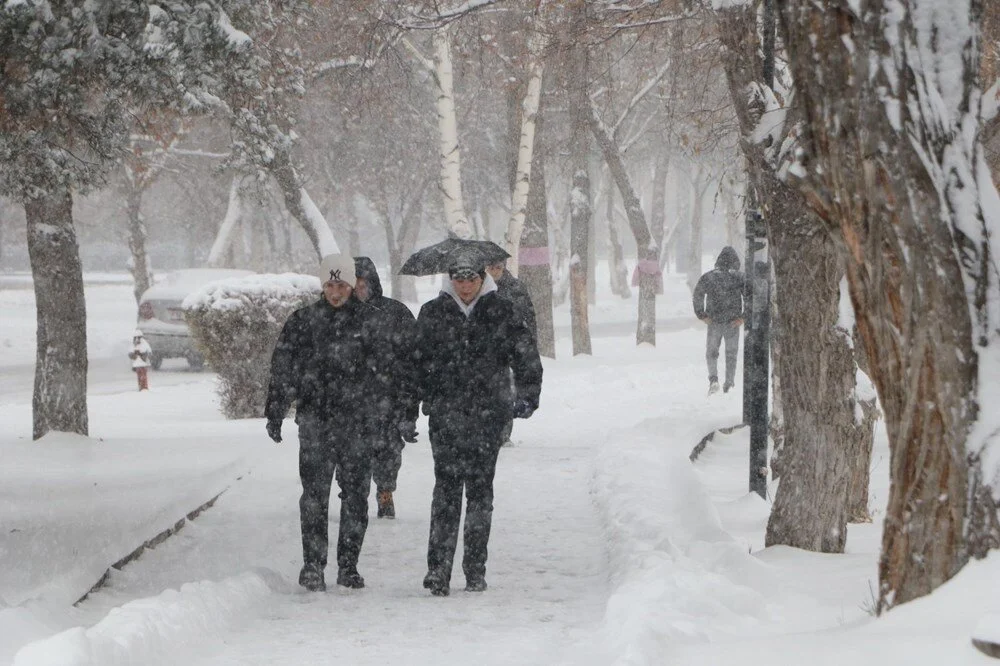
pixel 142 272
pixel 815 454
pixel 60 395
pixel 301 206
pixel 449 151
pixel 217 256
pixel 649 260
pixel 536 270
pixel 894 166
pixel 699 186
pixel 525 154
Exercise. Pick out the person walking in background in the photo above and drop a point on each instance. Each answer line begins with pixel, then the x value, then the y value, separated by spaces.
pixel 514 292
pixel 141 354
pixel 718 301
pixel 326 362
pixel 396 410
pixel 469 340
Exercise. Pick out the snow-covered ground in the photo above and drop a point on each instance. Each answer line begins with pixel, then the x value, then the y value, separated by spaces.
pixel 609 545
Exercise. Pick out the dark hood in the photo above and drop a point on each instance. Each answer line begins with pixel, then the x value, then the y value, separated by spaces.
pixel 365 268
pixel 728 260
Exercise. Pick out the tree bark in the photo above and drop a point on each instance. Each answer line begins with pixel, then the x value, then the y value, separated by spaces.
pixel 449 151
pixel 60 395
pixel 536 274
pixel 619 273
pixel 217 256
pixel 580 195
pixel 897 180
pixel 649 260
pixel 815 369
pixel 525 154
pixel 142 272
pixel 301 206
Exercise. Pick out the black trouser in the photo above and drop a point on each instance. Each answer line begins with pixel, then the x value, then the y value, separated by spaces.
pixel 464 457
pixel 326 445
pixel 717 332
pixel 387 458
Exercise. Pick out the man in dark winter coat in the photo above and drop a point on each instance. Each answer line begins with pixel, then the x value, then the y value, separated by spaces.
pixel 513 290
pixel 329 362
pixel 469 341
pixel 397 408
pixel 718 301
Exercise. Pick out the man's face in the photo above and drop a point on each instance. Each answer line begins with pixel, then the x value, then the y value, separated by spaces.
pixel 467 288
pixel 361 289
pixel 336 292
pixel 496 269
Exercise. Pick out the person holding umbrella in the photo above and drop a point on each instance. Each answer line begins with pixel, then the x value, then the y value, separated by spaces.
pixel 469 340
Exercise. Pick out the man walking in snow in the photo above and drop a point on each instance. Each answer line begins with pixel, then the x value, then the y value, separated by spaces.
pixel 718 301
pixel 396 407
pixel 514 292
pixel 329 363
pixel 469 340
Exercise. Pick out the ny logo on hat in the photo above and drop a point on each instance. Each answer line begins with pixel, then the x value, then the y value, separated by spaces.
pixel 335 276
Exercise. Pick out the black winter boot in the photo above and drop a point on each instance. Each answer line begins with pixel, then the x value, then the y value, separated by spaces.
pixel 436 583
pixel 475 584
pixel 311 578
pixel 386 509
pixel 349 577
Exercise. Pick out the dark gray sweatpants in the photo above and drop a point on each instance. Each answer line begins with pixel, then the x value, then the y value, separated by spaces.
pixel 717 332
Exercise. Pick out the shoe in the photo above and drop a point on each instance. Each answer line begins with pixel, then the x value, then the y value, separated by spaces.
pixel 475 584
pixel 713 387
pixel 311 578
pixel 386 509
pixel 506 444
pixel 349 577
pixel 726 387
pixel 436 584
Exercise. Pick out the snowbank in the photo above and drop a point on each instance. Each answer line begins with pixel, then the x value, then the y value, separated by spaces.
pixel 149 631
pixel 260 289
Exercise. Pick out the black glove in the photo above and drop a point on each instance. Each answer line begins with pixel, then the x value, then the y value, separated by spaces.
pixel 523 409
pixel 274 430
pixel 408 431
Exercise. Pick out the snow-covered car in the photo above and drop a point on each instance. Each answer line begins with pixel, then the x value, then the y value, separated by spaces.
pixel 161 317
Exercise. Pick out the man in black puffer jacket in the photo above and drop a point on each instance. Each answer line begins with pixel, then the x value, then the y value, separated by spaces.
pixel 469 341
pixel 329 362
pixel 398 406
pixel 718 301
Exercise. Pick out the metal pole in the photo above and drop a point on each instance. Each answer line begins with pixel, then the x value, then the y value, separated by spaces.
pixel 756 350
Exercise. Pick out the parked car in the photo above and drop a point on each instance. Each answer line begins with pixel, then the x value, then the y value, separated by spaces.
pixel 162 319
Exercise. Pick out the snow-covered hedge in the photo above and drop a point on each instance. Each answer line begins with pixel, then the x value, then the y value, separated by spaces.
pixel 236 322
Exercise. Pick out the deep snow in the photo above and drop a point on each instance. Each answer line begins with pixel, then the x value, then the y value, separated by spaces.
pixel 609 546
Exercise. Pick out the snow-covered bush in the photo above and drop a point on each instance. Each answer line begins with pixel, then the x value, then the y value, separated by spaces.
pixel 236 322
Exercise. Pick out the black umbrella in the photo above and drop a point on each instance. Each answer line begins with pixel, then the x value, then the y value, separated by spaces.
pixel 436 258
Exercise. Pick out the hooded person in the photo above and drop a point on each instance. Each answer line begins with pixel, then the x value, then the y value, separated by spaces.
pixel 718 301
pixel 397 405
pixel 469 341
pixel 327 363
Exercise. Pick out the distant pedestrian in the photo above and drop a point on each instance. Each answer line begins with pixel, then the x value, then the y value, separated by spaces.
pixel 513 291
pixel 141 354
pixel 329 363
pixel 469 341
pixel 718 301
pixel 395 421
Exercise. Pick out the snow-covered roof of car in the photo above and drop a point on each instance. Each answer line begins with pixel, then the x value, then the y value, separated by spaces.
pixel 178 284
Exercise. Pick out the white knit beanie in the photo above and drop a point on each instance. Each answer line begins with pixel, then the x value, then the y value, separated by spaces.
pixel 337 267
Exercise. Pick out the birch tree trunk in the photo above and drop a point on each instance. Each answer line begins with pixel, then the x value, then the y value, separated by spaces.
pixel 893 165
pixel 525 154
pixel 619 273
pixel 536 267
pixel 450 154
pixel 59 401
